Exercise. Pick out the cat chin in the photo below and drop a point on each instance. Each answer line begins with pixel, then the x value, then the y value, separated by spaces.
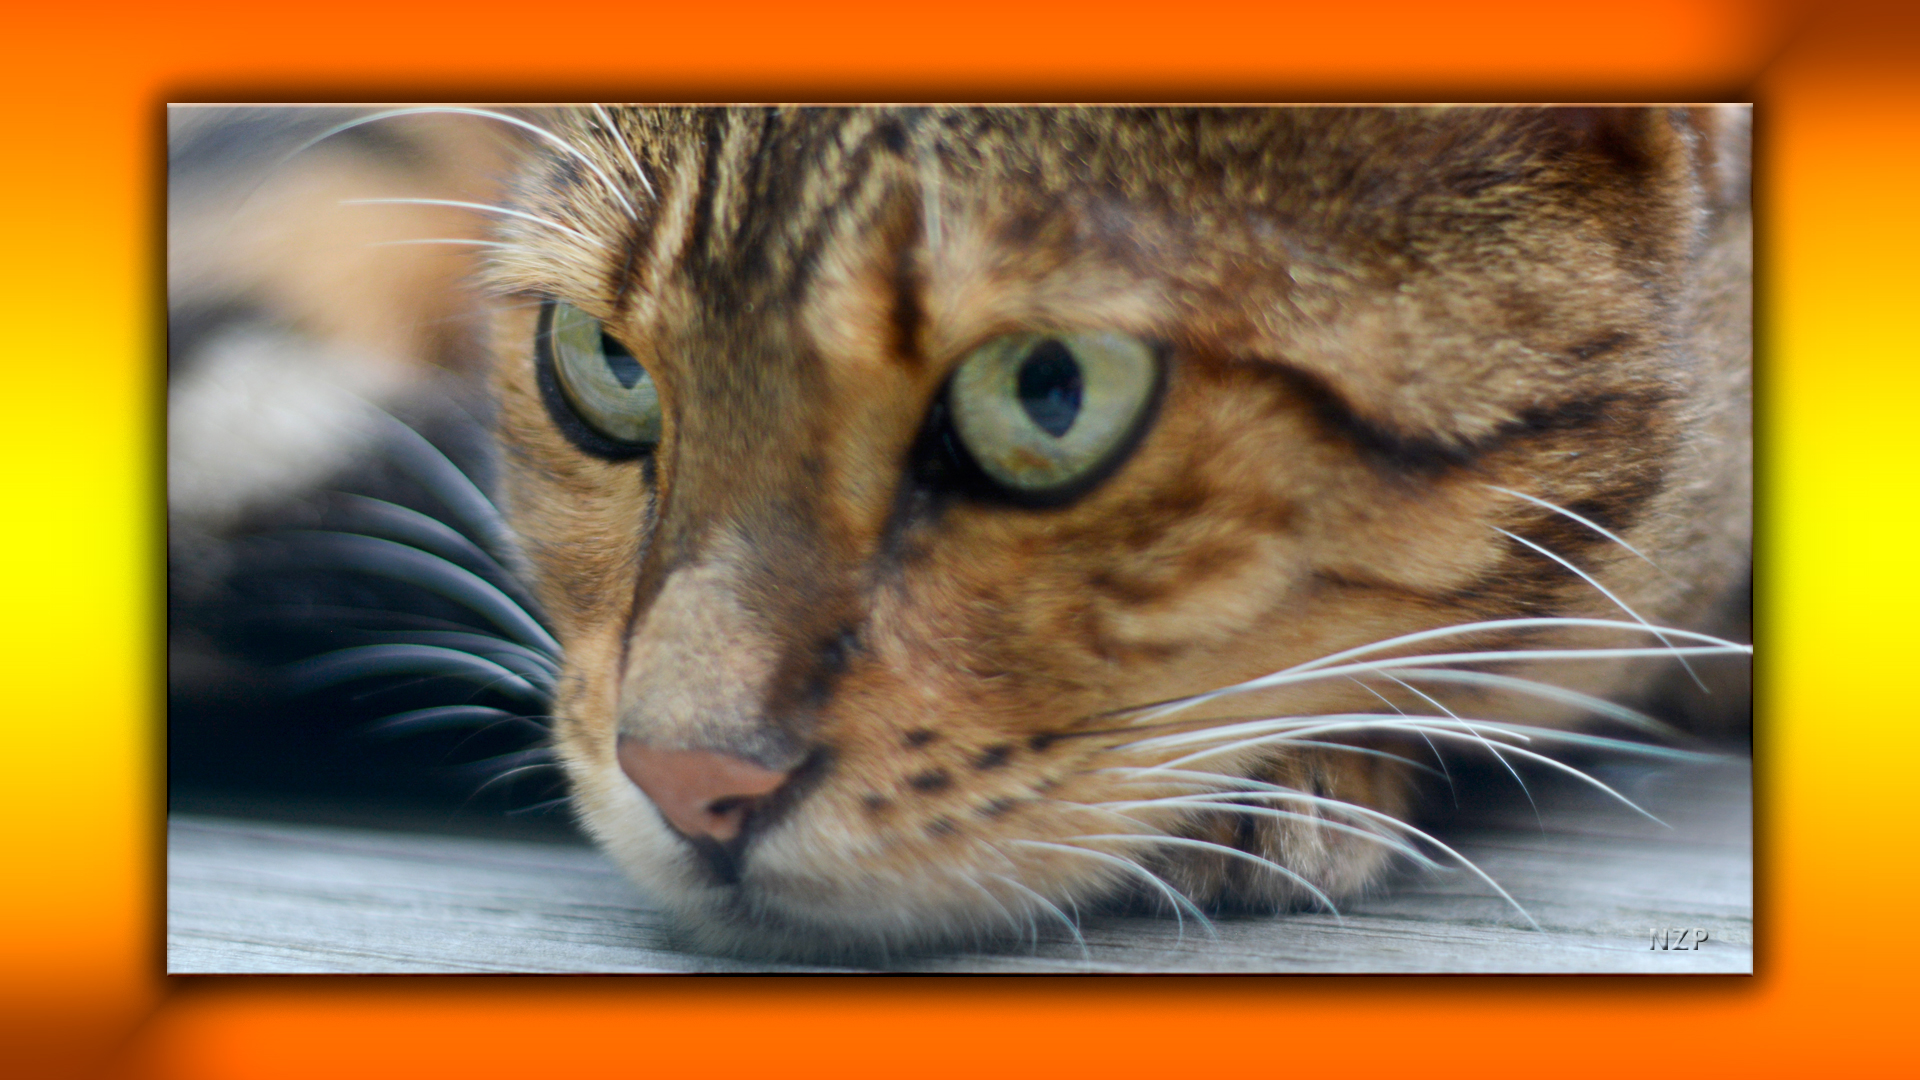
pixel 812 920
pixel 807 897
pixel 780 910
pixel 774 914
pixel 812 894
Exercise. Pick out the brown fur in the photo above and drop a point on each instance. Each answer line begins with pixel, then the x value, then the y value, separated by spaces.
pixel 1371 318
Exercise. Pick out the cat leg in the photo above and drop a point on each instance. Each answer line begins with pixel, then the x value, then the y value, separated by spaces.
pixel 1316 826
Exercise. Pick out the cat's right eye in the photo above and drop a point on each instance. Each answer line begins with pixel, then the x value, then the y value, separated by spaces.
pixel 1045 414
pixel 602 382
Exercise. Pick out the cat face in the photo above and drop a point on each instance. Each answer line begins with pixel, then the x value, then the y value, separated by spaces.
pixel 886 473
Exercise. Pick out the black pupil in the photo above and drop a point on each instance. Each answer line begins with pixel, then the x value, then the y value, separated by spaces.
pixel 621 362
pixel 1050 387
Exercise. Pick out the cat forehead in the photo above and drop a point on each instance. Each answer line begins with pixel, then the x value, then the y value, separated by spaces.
pixel 1432 268
pixel 752 199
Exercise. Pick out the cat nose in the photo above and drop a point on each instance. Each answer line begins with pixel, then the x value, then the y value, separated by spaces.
pixel 702 793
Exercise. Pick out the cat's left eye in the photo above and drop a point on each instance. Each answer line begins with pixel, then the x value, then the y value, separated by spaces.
pixel 602 382
pixel 1044 414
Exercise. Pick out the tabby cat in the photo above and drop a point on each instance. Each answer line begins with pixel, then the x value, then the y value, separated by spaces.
pixel 951 518
pixel 921 496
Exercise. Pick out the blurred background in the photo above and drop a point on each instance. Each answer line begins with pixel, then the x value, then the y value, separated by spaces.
pixel 327 454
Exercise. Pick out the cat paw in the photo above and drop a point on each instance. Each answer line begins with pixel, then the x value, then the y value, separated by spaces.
pixel 1319 828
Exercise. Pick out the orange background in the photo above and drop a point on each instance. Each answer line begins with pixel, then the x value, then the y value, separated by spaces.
pixel 82 910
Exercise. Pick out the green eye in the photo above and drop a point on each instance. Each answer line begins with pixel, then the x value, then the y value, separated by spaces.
pixel 606 386
pixel 1042 412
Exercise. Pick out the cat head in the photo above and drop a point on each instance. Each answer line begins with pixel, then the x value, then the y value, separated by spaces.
pixel 887 473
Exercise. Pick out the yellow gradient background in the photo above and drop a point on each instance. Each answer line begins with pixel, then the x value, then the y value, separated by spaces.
pixel 81 894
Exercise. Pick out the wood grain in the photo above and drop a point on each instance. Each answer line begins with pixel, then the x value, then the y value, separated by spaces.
pixel 250 896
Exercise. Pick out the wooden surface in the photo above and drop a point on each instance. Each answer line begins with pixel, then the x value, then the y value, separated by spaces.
pixel 261 896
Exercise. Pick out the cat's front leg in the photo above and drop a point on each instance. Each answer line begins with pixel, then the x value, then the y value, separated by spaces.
pixel 1306 830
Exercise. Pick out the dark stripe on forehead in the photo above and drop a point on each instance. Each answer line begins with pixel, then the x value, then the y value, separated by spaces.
pixel 733 201
pixel 761 182
pixel 779 190
pixel 713 140
pixel 832 217
pixel 802 153
pixel 906 313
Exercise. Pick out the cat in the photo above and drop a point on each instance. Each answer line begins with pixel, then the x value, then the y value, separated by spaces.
pixel 950 518
pixel 916 492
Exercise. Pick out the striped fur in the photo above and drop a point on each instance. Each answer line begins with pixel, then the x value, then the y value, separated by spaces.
pixel 1378 326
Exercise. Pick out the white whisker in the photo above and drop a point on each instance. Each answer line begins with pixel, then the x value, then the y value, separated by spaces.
pixel 1048 905
pixel 1179 901
pixel 385 558
pixel 1608 593
pixel 1293 726
pixel 367 661
pixel 1368 751
pixel 1245 784
pixel 483 208
pixel 1564 512
pixel 1308 673
pixel 454 240
pixel 1286 737
pixel 1012 919
pixel 1240 785
pixel 1437 728
pixel 535 666
pixel 1534 688
pixel 1291 729
pixel 540 807
pixel 1542 623
pixel 1208 845
pixel 441 717
pixel 391 521
pixel 424 463
pixel 626 148
pixel 457 717
pixel 1217 730
pixel 1452 791
pixel 1491 749
pixel 511 772
pixel 487 114
pixel 1219 803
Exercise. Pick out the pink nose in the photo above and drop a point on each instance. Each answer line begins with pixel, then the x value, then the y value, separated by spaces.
pixel 702 793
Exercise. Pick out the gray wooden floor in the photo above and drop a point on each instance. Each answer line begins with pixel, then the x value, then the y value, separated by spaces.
pixel 262 896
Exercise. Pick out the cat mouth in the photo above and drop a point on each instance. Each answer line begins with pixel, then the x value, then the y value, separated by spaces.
pixel 721 860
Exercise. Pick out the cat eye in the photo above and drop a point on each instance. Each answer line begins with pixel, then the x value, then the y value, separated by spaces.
pixel 1043 413
pixel 605 386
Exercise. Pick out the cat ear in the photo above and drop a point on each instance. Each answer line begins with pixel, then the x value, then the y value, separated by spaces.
pixel 1711 144
pixel 1723 153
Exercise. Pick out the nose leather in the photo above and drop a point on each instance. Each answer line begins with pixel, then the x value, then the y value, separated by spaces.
pixel 701 793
